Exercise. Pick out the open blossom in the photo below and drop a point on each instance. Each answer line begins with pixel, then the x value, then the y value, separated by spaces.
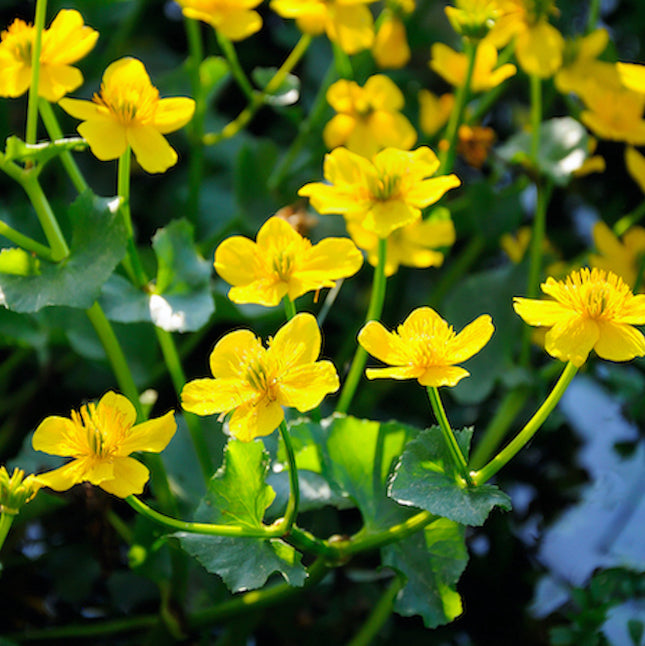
pixel 127 111
pixel 283 263
pixel 254 382
pixel 66 41
pixel 390 48
pixel 369 117
pixel 414 245
pixel 100 438
pixel 348 23
pixel 589 310
pixel 383 194
pixel 424 347
pixel 234 19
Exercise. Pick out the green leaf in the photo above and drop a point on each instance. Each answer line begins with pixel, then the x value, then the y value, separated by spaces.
pixel 287 93
pixel 98 244
pixel 181 299
pixel 432 562
pixel 425 477
pixel 238 495
pixel 18 262
pixel 17 150
pixel 563 148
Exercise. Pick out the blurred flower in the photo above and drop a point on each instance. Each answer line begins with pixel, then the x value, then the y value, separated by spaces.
pixel 348 23
pixel 475 143
pixel 424 347
pixel 254 382
pixel 452 66
pixel 16 490
pixel 434 111
pixel 369 118
pixel 383 194
pixel 281 263
pixel 474 18
pixel 390 48
pixel 100 438
pixel 592 310
pixel 231 18
pixel 66 41
pixel 635 163
pixel 128 112
pixel 632 76
pixel 624 258
pixel 414 245
pixel 580 60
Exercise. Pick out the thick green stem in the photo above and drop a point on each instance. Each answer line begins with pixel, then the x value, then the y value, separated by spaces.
pixel 373 313
pixel 629 220
pixel 25 242
pixel 458 458
pixel 342 62
pixel 6 520
pixel 234 64
pixel 379 615
pixel 32 104
pixel 536 117
pixel 289 307
pixel 530 428
pixel 53 128
pixel 294 485
pixel 178 377
pixel 448 155
pixel 593 16
pixel 208 529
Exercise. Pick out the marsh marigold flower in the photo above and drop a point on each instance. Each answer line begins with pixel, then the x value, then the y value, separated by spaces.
pixel 414 245
pixel 383 194
pixel 369 117
pixel 434 111
pixel 635 163
pixel 348 23
pixel 452 66
pixel 390 48
pixel 234 19
pixel 254 382
pixel 100 438
pixel 16 490
pixel 424 347
pixel 283 263
pixel 66 41
pixel 128 112
pixel 590 310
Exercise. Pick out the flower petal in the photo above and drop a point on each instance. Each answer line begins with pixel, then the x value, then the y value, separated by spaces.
pixel 237 261
pixel 106 138
pixel 129 478
pixel 83 110
pixel 172 114
pixel 57 80
pixel 437 376
pixel 535 312
pixel 64 477
pixel 58 436
pixel 227 360
pixel 153 152
pixel 470 340
pixel 382 344
pixel 212 396
pixel 111 402
pixel 400 373
pixel 619 342
pixel 572 339
pixel 153 435
pixel 255 420
pixel 297 342
pixel 304 387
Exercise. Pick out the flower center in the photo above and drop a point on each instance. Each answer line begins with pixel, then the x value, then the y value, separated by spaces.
pixel 283 263
pixel 19 39
pixel 129 102
pixel 261 377
pixel 95 435
pixel 386 187
pixel 425 341
pixel 597 295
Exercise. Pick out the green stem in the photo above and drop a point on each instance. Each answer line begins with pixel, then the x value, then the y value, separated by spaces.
pixel 304 541
pixel 447 156
pixel 6 520
pixel 207 529
pixel 593 16
pixel 294 486
pixel 379 615
pixel 178 377
pixel 629 220
pixel 25 242
pixel 115 356
pixel 32 104
pixel 373 313
pixel 53 128
pixel 196 161
pixel 530 428
pixel 536 117
pixel 342 62
pixel 289 307
pixel 238 73
pixel 458 458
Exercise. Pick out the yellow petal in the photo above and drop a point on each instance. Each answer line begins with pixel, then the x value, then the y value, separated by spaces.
pixel 351 26
pixel 619 342
pixel 331 258
pixel 112 401
pixel 539 49
pixel 392 129
pixel 153 152
pixel 173 113
pixel 68 39
pixel 237 261
pixel 385 217
pixel 251 421
pixel 383 93
pixel 535 312
pixel 213 396
pixel 572 339
pixel 238 25
pixel 83 110
pixel 635 163
pixel 338 130
pixel 400 373
pixel 390 48
pixel 58 80
pixel 382 344
pixel 106 138
pixel 152 435
pixel 14 79
pixel 57 436
pixel 265 291
pixel 471 339
pixel 297 342
pixel 432 190
pixel 129 478
pixel 437 376
pixel 64 477
pixel 227 357
pixel 632 76
pixel 304 387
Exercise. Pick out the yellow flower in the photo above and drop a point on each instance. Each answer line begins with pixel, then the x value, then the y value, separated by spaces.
pixel 255 382
pixel 474 18
pixel 424 347
pixel 281 263
pixel 383 194
pixel 591 310
pixel 232 18
pixel 16 490
pixel 635 163
pixel 368 118
pixel 434 111
pixel 414 245
pixel 348 23
pixel 128 112
pixel 452 66
pixel 100 438
pixel 539 48
pixel 580 61
pixel 390 48
pixel 632 76
pixel 625 258
pixel 66 41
